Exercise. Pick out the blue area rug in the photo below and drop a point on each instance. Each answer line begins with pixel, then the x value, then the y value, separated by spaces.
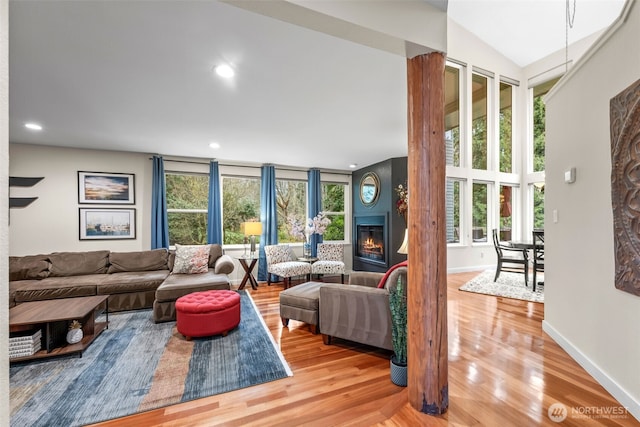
pixel 137 365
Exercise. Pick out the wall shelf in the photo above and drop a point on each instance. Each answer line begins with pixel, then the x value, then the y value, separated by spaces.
pixel 19 181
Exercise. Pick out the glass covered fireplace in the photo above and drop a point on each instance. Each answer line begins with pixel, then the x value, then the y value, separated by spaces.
pixel 370 242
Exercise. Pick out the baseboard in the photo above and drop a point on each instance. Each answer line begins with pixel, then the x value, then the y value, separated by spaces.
pixel 619 393
pixel 472 268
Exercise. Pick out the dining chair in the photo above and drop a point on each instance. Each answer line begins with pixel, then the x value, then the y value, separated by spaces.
pixel 538 254
pixel 511 259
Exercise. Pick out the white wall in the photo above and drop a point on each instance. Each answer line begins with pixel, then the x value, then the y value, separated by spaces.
pixel 4 208
pixel 51 222
pixel 596 323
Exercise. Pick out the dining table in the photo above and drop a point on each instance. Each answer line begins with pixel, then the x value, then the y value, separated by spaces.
pixel 528 245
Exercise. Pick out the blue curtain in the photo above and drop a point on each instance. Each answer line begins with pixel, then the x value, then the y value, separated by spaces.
pixel 268 216
pixel 214 209
pixel 159 219
pixel 315 204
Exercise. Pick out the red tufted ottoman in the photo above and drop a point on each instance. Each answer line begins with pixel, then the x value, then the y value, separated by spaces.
pixel 202 314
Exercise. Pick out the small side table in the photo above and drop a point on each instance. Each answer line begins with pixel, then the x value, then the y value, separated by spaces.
pixel 248 265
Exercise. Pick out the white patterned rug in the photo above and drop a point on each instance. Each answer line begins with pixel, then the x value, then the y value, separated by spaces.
pixel 509 285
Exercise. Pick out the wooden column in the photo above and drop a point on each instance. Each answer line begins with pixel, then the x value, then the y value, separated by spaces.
pixel 428 385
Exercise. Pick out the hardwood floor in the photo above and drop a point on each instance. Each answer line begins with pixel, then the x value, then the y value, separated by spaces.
pixel 503 371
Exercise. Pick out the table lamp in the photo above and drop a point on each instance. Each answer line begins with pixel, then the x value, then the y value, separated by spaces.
pixel 252 229
pixel 404 248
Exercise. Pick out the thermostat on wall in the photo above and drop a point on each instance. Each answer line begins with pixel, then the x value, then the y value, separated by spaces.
pixel 570 176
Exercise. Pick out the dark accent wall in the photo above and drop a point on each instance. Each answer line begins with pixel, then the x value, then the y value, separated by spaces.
pixel 391 172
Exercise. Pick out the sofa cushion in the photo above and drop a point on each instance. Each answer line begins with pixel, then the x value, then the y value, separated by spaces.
pixel 28 267
pixel 64 264
pixel 224 265
pixel 177 285
pixel 56 287
pixel 215 252
pixel 131 281
pixel 152 260
pixel 191 259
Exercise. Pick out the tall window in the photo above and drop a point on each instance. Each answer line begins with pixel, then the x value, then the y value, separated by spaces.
pixel 480 211
pixel 506 208
pixel 452 206
pixel 479 140
pixel 187 196
pixel 240 203
pixel 538 150
pixel 506 127
pixel 333 206
pixel 538 205
pixel 452 114
pixel 291 198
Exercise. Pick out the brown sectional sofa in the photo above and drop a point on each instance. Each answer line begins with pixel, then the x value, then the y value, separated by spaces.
pixel 133 280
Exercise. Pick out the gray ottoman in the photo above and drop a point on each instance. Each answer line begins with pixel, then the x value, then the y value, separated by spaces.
pixel 301 303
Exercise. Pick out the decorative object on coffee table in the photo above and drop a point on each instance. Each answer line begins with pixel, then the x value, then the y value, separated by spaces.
pixel 75 333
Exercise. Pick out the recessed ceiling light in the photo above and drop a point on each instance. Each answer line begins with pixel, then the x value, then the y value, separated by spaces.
pixel 225 71
pixel 353 165
pixel 33 126
pixel 214 145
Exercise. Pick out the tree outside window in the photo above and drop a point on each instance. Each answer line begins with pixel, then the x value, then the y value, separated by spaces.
pixel 333 206
pixel 291 200
pixel 479 216
pixel 506 128
pixel 479 139
pixel 452 115
pixel 240 203
pixel 187 196
pixel 452 206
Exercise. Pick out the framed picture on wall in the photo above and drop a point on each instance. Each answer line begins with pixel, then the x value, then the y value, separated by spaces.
pixel 106 188
pixel 107 224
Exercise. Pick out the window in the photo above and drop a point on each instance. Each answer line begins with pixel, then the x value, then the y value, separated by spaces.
pixel 506 128
pixel 539 120
pixel 452 114
pixel 240 203
pixel 452 206
pixel 291 200
pixel 333 202
pixel 479 122
pixel 187 196
pixel 506 208
pixel 480 211
pixel 538 205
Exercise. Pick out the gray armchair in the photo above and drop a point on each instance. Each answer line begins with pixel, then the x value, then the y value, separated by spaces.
pixel 359 311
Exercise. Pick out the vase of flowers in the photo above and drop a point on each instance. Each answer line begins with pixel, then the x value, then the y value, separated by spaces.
pixel 316 225
pixel 402 204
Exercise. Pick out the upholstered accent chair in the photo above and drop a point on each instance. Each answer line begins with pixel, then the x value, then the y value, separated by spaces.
pixel 359 311
pixel 330 260
pixel 282 263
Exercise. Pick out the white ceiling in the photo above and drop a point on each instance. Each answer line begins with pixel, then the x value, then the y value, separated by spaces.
pixel 137 76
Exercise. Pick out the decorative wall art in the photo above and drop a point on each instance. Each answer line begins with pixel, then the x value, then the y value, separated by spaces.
pixel 625 186
pixel 107 224
pixel 106 188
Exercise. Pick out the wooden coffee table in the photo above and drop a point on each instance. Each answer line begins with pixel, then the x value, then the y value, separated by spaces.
pixel 53 318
